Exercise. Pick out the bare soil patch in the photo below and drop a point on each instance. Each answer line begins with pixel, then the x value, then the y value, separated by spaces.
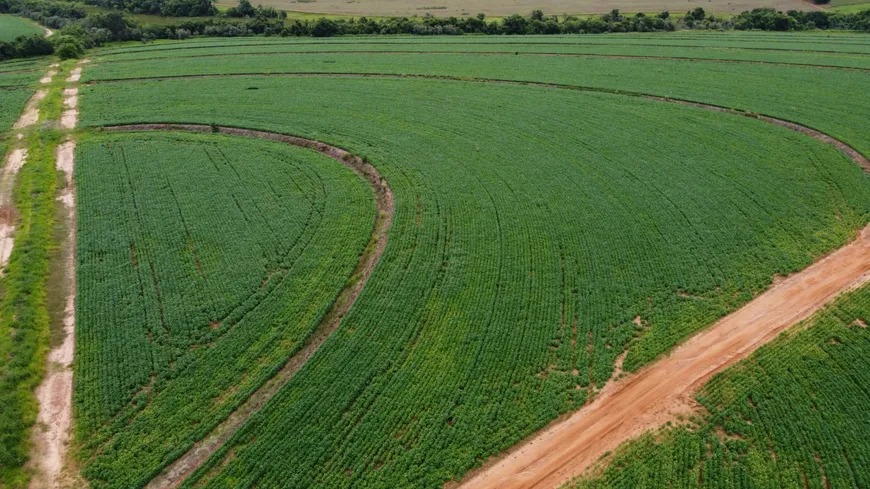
pixel 9 223
pixel 69 118
pixel 75 74
pixel 176 472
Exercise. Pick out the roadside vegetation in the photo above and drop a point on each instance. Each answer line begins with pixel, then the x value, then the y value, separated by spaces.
pixel 24 319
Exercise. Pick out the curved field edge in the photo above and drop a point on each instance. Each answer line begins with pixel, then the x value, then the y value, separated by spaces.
pixel 863 66
pixel 785 94
pixel 175 472
pixel 716 108
pixel 632 361
pixel 811 380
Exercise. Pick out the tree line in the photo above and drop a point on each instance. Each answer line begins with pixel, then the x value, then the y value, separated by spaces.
pixel 80 31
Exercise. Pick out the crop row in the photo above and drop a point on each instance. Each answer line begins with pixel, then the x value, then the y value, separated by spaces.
pixel 12 103
pixel 203 263
pixel 533 226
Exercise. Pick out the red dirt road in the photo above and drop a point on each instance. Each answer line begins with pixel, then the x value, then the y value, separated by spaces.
pixel 655 394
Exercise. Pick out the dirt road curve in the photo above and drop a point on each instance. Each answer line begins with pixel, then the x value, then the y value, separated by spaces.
pixel 654 395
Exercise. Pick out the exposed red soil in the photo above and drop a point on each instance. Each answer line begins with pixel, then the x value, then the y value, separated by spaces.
pixel 175 473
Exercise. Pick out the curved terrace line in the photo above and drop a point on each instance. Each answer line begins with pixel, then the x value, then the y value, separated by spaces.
pixel 851 152
pixel 460 43
pixel 563 441
pixel 506 53
pixel 182 467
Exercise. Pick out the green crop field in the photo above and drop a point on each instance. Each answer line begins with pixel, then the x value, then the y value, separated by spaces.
pixel 11 104
pixel 549 217
pixel 792 415
pixel 379 262
pixel 219 256
pixel 12 26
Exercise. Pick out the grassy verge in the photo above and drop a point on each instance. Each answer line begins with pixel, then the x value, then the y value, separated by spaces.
pixel 24 319
pixel 24 316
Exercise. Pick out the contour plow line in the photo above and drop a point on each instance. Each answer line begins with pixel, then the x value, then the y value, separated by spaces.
pixel 173 475
pixel 499 53
pixel 622 410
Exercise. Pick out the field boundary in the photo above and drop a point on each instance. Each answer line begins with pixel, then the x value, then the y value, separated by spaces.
pixel 175 473
pixel 687 59
pixel 524 43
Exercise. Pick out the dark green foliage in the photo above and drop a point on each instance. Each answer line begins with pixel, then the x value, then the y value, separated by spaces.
pixel 69 47
pixel 170 8
pixel 26 46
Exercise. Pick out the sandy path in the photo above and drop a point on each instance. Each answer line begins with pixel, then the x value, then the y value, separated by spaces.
pixel 75 74
pixel 31 111
pixel 55 392
pixel 656 394
pixel 173 475
pixel 70 116
pixel 50 440
pixel 8 213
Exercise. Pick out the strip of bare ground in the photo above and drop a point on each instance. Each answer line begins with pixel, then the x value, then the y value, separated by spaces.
pixel 54 393
pixel 579 454
pixel 50 439
pixel 175 473
pixel 662 391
